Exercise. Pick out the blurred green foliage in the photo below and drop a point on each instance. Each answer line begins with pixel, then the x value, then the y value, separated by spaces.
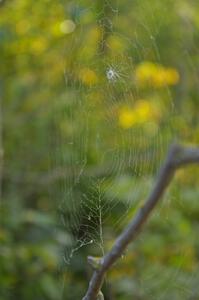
pixel 69 131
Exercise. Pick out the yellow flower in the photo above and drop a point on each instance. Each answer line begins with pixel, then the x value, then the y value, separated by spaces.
pixel 143 111
pixel 39 45
pixel 148 73
pixel 88 76
pixel 144 72
pixel 127 117
pixel 173 76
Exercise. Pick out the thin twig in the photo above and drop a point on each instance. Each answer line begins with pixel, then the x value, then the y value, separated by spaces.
pixel 177 157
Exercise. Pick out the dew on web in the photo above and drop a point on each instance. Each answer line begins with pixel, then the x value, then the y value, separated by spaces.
pixel 115 123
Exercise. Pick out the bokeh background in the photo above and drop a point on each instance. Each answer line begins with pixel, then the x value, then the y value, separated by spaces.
pixel 92 94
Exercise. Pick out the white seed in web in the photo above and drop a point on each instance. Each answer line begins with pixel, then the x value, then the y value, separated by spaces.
pixel 111 74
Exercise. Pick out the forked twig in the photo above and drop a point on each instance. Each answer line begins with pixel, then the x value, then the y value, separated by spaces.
pixel 178 156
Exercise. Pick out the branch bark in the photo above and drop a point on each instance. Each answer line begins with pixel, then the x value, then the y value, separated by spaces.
pixel 178 156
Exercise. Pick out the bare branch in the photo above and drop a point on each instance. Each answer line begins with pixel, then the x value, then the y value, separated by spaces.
pixel 177 157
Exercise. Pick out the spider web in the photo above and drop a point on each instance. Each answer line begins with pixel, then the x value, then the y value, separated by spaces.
pixel 104 163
